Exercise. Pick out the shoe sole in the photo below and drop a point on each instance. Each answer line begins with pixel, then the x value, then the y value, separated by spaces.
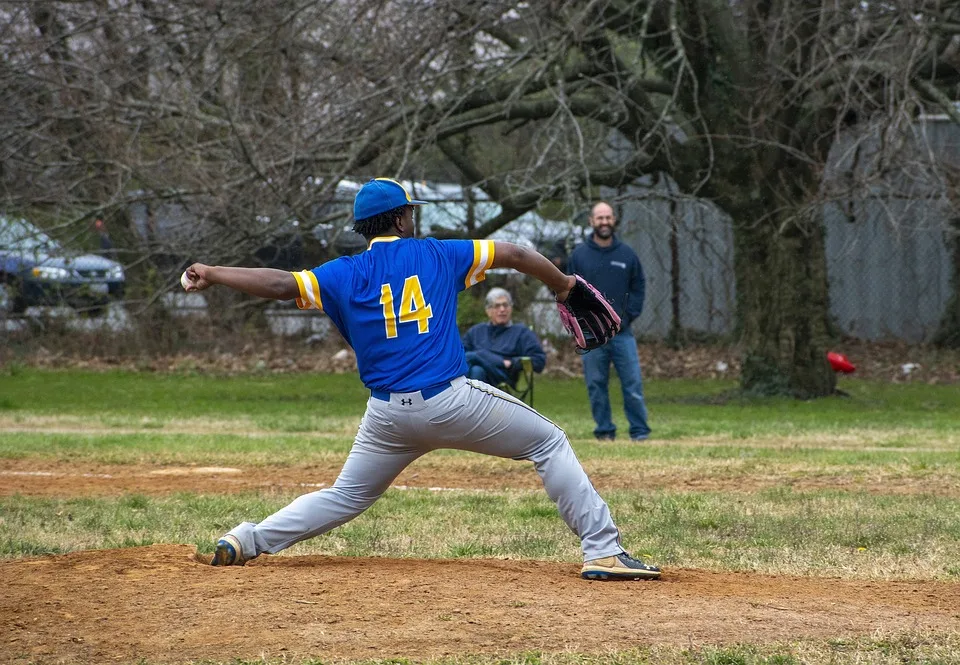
pixel 607 575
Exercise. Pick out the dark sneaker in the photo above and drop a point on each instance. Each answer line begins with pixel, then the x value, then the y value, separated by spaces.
pixel 228 552
pixel 619 567
pixel 606 437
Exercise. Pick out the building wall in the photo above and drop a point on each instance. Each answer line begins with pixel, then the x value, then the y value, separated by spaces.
pixel 889 269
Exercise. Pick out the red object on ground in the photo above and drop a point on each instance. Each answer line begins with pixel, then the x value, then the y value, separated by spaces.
pixel 840 363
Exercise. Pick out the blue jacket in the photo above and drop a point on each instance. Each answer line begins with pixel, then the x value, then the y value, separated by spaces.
pixel 615 271
pixel 495 343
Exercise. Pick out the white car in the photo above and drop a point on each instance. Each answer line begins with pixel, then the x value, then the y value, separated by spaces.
pixel 36 270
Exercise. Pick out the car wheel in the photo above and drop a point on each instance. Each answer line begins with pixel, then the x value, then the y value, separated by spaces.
pixel 11 302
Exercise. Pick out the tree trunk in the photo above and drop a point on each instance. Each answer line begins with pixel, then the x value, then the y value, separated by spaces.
pixel 783 304
pixel 677 335
pixel 948 334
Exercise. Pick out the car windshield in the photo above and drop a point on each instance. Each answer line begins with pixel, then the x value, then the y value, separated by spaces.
pixel 21 235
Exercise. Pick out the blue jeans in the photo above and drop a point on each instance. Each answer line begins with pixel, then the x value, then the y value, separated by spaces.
pixel 622 352
pixel 479 368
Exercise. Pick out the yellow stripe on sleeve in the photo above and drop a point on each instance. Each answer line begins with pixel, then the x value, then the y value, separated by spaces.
pixel 482 260
pixel 309 290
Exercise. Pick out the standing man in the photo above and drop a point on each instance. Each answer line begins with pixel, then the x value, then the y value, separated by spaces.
pixel 396 305
pixel 106 244
pixel 494 348
pixel 614 268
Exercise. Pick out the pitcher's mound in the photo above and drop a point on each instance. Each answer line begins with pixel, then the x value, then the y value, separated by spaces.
pixel 165 604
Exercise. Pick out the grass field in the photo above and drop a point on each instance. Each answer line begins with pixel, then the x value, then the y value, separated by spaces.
pixel 860 487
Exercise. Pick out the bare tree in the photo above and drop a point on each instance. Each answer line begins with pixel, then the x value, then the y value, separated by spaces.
pixel 251 112
pixel 738 102
pixel 245 113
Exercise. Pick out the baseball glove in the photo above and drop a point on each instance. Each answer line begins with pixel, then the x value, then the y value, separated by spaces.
pixel 588 316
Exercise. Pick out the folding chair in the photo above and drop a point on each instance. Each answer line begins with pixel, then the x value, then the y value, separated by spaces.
pixel 524 388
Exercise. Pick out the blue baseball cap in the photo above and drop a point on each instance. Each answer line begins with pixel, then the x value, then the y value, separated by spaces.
pixel 380 195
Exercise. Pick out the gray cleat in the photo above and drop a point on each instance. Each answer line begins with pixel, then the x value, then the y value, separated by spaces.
pixel 619 567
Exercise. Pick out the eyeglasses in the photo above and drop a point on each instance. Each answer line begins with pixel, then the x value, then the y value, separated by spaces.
pixel 500 305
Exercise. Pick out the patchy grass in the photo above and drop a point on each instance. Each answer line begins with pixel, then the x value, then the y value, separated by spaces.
pixel 779 531
pixel 864 486
pixel 858 487
pixel 327 402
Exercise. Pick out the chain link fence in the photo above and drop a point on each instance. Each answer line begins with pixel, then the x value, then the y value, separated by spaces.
pixel 889 264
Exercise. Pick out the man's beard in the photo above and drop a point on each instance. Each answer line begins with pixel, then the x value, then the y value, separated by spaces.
pixel 604 232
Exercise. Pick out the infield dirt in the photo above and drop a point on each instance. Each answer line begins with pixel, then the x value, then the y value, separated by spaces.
pixel 162 604
pixel 33 477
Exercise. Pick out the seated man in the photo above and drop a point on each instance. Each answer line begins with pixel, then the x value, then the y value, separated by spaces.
pixel 493 348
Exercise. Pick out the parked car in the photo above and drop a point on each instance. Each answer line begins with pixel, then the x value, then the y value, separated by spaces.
pixel 36 270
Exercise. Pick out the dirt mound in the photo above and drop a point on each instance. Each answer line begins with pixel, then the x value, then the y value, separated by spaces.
pixel 162 604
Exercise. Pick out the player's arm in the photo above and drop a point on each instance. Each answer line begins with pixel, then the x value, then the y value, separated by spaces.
pixel 261 282
pixel 535 264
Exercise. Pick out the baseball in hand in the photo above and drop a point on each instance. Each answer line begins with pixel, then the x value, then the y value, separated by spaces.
pixel 185 281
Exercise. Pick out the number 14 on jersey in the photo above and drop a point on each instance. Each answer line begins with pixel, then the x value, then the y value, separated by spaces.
pixel 413 307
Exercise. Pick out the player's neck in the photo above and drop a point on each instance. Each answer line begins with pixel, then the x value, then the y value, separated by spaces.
pixel 382 238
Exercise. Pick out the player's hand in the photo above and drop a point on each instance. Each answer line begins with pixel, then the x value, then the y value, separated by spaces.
pixel 196 278
pixel 562 295
pixel 588 316
pixel 507 363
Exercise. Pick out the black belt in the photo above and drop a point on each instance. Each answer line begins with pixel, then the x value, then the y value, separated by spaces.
pixel 425 393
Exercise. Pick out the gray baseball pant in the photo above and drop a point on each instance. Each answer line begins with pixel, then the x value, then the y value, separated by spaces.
pixel 470 415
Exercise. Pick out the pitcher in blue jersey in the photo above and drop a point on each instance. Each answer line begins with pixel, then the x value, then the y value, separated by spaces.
pixel 396 305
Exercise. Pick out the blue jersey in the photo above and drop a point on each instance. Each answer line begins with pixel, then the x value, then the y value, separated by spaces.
pixel 396 305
